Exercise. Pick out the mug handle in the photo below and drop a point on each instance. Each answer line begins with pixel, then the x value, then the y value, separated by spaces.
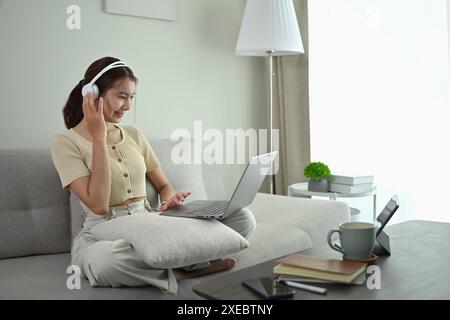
pixel 330 243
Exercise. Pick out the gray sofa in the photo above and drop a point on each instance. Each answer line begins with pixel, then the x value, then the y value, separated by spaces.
pixel 38 220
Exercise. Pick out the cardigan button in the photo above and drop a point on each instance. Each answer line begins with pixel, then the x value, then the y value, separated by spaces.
pixel 129 191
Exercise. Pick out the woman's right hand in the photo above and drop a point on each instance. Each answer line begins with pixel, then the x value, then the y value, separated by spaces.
pixel 175 201
pixel 95 120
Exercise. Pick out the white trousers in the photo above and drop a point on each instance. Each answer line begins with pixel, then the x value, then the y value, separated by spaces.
pixel 116 264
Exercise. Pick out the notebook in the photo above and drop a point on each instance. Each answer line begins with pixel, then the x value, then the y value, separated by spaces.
pixel 322 264
pixel 319 268
pixel 358 281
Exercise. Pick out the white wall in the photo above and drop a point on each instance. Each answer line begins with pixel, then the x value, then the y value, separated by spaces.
pixel 448 27
pixel 379 90
pixel 187 69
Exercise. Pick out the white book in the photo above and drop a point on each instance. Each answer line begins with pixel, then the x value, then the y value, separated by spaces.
pixel 351 180
pixel 343 188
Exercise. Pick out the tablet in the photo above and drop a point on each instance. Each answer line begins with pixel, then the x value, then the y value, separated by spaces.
pixel 387 213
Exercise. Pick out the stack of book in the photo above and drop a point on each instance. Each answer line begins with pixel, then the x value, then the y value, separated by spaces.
pixel 302 268
pixel 351 184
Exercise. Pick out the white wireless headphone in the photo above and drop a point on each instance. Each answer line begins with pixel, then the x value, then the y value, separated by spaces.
pixel 92 87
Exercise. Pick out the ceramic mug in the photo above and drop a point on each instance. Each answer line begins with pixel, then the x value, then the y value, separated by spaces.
pixel 357 240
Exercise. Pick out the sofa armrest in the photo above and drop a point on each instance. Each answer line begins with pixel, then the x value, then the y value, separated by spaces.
pixel 315 217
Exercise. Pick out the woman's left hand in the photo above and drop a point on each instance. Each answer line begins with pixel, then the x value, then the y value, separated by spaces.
pixel 176 201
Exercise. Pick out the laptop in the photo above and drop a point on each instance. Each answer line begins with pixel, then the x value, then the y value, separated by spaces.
pixel 252 178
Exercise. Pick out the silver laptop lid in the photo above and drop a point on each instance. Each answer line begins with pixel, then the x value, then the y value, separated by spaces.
pixel 250 181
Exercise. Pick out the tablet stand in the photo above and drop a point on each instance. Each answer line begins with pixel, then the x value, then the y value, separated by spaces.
pixel 382 245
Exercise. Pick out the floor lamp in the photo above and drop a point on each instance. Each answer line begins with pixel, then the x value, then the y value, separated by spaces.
pixel 269 28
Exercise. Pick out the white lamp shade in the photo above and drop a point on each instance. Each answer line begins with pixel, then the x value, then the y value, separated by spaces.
pixel 269 26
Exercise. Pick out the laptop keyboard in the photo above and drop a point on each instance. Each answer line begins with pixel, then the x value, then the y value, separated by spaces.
pixel 216 208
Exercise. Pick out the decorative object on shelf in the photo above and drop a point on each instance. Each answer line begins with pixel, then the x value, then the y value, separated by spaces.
pixel 351 184
pixel 318 174
pixel 351 179
pixel 155 9
pixel 269 28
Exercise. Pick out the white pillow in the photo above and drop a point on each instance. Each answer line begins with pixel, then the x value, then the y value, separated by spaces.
pixel 168 242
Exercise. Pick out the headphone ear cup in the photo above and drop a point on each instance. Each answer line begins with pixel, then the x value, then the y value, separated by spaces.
pixel 95 91
pixel 90 88
pixel 86 88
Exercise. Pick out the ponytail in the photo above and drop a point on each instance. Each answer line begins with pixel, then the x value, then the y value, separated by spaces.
pixel 73 111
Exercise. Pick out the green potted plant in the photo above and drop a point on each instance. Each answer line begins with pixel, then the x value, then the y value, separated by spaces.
pixel 318 174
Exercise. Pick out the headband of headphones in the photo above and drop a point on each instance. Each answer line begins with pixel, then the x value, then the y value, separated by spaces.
pixel 91 87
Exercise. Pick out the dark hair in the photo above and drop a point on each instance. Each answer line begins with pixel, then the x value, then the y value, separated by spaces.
pixel 73 112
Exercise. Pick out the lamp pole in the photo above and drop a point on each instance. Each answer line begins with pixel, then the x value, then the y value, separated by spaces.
pixel 270 75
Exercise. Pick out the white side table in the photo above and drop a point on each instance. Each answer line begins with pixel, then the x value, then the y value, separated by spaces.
pixel 301 190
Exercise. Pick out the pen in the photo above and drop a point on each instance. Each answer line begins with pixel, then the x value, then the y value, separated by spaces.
pixel 306 287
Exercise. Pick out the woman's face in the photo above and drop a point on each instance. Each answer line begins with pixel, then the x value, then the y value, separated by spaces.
pixel 119 99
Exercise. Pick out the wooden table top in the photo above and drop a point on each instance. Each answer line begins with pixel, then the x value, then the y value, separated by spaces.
pixel 418 268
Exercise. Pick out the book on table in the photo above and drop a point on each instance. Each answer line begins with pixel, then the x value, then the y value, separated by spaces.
pixel 298 265
pixel 358 281
pixel 344 188
pixel 351 180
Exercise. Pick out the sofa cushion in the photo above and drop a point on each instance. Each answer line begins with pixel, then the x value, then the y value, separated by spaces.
pixel 169 242
pixel 34 209
pixel 271 241
pixel 202 180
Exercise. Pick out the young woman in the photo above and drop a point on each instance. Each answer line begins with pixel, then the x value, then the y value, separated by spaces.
pixel 105 164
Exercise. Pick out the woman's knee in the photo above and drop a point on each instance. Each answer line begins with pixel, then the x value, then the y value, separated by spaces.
pixel 243 222
pixel 100 263
pixel 250 224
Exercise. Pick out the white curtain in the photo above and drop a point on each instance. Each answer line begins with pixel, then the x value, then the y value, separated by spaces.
pixel 379 99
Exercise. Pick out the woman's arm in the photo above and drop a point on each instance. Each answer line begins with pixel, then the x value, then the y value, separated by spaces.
pixel 161 183
pixel 95 191
pixel 100 182
pixel 167 194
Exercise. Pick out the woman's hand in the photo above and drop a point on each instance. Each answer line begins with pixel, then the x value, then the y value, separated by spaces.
pixel 175 201
pixel 95 120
